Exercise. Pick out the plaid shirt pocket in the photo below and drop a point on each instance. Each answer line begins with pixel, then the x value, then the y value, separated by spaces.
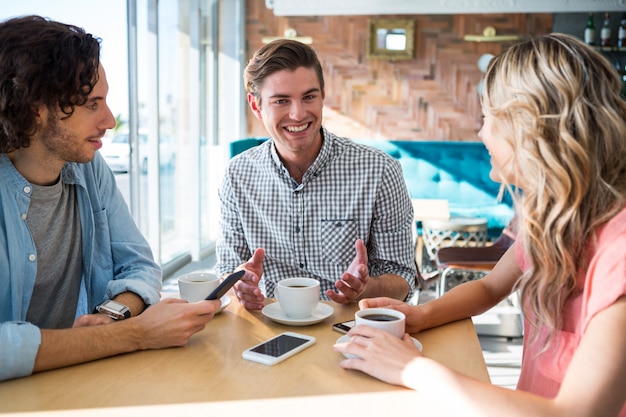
pixel 338 237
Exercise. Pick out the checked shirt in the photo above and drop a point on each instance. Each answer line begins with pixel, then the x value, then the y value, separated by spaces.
pixel 351 191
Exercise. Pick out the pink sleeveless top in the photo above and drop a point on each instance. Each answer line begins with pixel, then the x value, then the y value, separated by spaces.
pixel 603 284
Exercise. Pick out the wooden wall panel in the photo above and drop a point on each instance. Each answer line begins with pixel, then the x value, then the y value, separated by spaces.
pixel 430 97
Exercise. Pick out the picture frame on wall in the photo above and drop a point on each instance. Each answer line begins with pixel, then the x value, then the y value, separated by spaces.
pixel 390 39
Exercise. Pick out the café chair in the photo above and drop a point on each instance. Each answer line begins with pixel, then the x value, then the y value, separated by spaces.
pixel 457 265
pixel 425 209
pixel 424 280
pixel 437 234
pixel 472 262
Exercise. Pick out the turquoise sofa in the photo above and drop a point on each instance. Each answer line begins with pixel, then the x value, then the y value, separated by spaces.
pixel 454 171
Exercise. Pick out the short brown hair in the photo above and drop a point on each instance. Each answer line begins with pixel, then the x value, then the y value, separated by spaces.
pixel 281 54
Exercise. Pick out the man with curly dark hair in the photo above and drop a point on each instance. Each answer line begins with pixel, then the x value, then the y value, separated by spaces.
pixel 77 276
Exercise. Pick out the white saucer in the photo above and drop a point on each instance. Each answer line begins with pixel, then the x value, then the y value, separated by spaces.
pixel 274 312
pixel 225 302
pixel 345 339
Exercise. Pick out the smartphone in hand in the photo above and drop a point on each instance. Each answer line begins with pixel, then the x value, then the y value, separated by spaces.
pixel 225 285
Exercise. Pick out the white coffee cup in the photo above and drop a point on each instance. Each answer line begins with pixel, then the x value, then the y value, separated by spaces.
pixel 195 286
pixel 392 321
pixel 298 297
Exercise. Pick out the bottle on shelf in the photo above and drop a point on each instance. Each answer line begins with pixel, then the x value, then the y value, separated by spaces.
pixel 605 33
pixel 621 33
pixel 590 31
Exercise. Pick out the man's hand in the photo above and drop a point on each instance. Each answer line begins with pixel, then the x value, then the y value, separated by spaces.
pixel 171 322
pixel 247 289
pixel 168 323
pixel 353 282
pixel 92 320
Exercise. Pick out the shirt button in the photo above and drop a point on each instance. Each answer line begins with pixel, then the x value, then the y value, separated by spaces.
pixel 23 216
pixel 32 257
pixel 301 265
pixel 27 189
pixel 297 229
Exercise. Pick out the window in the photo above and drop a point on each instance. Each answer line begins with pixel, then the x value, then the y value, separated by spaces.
pixel 176 89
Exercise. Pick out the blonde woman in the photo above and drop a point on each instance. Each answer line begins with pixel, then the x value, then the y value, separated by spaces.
pixel 555 126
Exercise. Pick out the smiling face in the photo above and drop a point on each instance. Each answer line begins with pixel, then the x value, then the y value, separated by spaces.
pixel 499 148
pixel 290 106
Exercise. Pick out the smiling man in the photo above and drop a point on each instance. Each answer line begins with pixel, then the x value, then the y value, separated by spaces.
pixel 307 202
pixel 76 274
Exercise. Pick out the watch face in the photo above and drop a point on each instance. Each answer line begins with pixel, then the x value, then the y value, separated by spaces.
pixel 115 305
pixel 114 310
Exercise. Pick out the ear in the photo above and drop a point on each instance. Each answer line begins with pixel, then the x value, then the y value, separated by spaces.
pixel 41 113
pixel 254 105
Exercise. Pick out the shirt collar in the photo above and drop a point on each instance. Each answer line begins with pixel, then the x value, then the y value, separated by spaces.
pixel 328 143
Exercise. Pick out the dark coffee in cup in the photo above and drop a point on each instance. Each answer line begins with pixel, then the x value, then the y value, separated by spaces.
pixel 379 317
pixel 298 296
pixel 386 319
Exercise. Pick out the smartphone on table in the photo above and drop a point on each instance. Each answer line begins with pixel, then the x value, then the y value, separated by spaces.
pixel 278 348
pixel 344 326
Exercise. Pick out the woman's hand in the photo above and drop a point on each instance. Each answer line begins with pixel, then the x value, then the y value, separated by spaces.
pixel 414 314
pixel 380 354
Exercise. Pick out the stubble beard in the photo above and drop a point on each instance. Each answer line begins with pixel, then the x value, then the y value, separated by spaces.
pixel 61 143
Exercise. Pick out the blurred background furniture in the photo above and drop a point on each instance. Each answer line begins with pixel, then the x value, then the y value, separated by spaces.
pixel 240 145
pixel 455 232
pixel 425 209
pixel 461 264
pixel 430 209
pixel 457 172
pixel 456 265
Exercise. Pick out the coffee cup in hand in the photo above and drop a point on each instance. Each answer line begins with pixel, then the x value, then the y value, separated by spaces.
pixel 195 286
pixel 392 321
pixel 298 297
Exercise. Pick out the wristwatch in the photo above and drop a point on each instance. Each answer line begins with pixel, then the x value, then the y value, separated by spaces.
pixel 114 310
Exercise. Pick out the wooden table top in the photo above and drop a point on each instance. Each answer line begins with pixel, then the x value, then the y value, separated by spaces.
pixel 209 375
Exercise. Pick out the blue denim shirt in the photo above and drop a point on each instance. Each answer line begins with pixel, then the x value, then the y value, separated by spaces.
pixel 116 257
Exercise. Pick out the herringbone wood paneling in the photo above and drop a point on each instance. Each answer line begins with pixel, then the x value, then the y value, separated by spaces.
pixel 430 97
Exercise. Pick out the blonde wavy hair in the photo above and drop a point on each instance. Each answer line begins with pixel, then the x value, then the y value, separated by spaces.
pixel 557 102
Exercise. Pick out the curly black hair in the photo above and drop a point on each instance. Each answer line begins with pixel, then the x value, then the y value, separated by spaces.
pixel 42 62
